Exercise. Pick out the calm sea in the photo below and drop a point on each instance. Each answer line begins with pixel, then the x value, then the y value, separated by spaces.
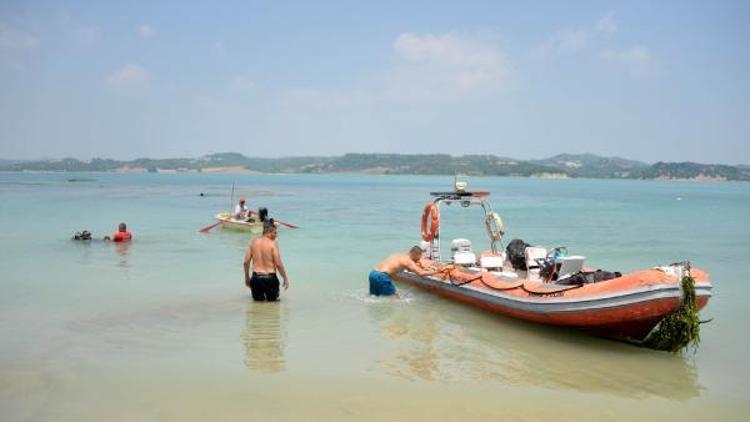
pixel 163 328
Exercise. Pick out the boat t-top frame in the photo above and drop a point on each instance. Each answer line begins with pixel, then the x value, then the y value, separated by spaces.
pixel 466 199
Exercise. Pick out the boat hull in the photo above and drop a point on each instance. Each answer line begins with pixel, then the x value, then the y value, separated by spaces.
pixel 227 222
pixel 627 308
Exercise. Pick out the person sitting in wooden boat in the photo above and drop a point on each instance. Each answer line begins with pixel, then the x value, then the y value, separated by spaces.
pixel 381 283
pixel 263 254
pixel 241 212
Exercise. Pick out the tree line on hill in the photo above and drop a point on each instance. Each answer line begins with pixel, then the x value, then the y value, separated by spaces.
pixel 559 166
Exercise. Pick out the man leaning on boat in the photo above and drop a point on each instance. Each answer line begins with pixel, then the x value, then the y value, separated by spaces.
pixel 381 282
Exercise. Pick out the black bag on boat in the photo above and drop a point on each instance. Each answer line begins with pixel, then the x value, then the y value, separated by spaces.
pixel 588 277
pixel 601 275
pixel 516 251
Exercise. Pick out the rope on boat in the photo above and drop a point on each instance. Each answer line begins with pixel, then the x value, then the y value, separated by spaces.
pixel 500 289
pixel 680 329
pixel 552 292
pixel 447 274
pixel 471 280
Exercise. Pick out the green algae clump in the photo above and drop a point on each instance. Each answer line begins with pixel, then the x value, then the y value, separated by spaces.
pixel 680 329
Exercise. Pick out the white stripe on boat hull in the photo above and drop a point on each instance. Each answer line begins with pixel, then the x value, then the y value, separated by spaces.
pixel 544 305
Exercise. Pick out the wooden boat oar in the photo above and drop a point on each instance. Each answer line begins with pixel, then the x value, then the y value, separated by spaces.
pixel 291 226
pixel 231 203
pixel 207 228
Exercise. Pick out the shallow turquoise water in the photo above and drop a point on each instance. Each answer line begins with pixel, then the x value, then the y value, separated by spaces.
pixel 171 308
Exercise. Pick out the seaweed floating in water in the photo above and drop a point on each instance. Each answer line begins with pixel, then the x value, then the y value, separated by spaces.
pixel 681 328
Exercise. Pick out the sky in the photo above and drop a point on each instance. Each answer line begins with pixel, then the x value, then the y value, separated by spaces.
pixel 654 81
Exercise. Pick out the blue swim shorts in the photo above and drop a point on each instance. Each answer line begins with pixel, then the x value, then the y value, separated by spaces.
pixel 381 284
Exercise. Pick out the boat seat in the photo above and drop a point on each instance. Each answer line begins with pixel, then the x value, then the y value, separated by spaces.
pixel 464 258
pixel 533 255
pixel 570 265
pixel 492 262
pixel 505 275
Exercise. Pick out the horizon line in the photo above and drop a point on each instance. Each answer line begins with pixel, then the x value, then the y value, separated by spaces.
pixel 356 153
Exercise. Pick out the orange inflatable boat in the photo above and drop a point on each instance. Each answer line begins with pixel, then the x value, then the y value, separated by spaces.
pixel 622 306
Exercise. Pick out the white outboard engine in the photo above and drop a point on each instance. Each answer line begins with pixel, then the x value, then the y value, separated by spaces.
pixel 462 252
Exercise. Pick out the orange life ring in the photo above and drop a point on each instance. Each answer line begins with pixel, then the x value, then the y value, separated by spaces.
pixel 430 213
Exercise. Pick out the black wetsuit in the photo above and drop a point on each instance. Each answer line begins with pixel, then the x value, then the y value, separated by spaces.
pixel 264 286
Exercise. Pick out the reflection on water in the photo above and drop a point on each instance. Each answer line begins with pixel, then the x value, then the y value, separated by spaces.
pixel 451 343
pixel 147 329
pixel 264 337
pixel 416 355
pixel 123 250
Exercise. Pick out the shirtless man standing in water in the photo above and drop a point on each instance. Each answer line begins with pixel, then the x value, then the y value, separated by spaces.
pixel 263 253
pixel 381 283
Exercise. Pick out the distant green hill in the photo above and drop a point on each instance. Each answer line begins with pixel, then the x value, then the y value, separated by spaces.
pixel 432 164
pixel 593 166
pixel 687 170
pixel 559 166
pixel 4 162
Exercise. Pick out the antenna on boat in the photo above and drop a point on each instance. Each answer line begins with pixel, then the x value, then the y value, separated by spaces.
pixel 231 198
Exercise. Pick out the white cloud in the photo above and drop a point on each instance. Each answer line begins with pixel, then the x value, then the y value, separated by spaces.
pixel 564 41
pixel 638 59
pixel 243 83
pixel 86 35
pixel 218 47
pixel 447 49
pixel 446 65
pixel 571 39
pixel 428 72
pixel 11 39
pixel 146 31
pixel 607 24
pixel 82 34
pixel 635 55
pixel 129 76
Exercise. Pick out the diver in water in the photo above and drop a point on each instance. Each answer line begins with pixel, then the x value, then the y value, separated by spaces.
pixel 122 235
pixel 82 235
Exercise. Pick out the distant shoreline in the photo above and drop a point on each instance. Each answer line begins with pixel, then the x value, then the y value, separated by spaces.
pixel 355 173
pixel 563 166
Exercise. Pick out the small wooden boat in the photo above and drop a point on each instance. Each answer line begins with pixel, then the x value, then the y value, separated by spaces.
pixel 624 306
pixel 227 221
